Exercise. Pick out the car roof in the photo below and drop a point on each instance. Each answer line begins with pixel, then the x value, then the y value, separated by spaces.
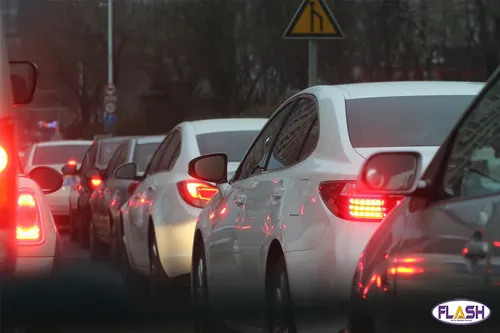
pixel 149 139
pixel 114 139
pixel 64 143
pixel 403 88
pixel 226 125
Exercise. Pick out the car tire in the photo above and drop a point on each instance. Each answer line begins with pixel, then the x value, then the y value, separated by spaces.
pixel 132 280
pixel 83 231
pixel 73 222
pixel 159 282
pixel 199 292
pixel 98 249
pixel 278 300
pixel 116 246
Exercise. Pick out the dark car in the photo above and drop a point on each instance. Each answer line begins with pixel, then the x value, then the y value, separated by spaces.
pixel 434 262
pixel 132 155
pixel 90 177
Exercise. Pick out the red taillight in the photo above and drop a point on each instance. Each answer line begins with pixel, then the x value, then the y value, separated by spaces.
pixel 29 228
pixel 71 162
pixel 4 159
pixel 95 182
pixel 406 266
pixel 196 193
pixel 344 201
pixel 132 187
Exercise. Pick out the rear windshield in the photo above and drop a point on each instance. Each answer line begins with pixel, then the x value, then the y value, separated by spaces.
pixel 58 154
pixel 143 153
pixel 234 144
pixel 106 151
pixel 403 121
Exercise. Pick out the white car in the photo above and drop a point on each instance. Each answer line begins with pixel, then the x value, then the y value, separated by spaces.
pixel 39 244
pixel 290 223
pixel 56 154
pixel 159 218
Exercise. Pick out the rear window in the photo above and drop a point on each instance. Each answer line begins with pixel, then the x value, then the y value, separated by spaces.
pixel 106 151
pixel 58 154
pixel 143 153
pixel 234 144
pixel 403 121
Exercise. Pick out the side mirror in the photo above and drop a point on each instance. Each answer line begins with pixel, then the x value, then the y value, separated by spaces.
pixel 210 168
pixel 127 171
pixel 69 169
pixel 92 173
pixel 24 77
pixel 390 173
pixel 49 179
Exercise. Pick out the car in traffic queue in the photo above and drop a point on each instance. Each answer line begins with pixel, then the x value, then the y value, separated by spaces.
pixel 442 242
pixel 106 236
pixel 291 224
pixel 89 178
pixel 38 240
pixel 159 218
pixel 56 154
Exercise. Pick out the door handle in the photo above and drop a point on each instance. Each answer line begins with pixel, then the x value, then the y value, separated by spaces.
pixel 475 249
pixel 240 199
pixel 278 192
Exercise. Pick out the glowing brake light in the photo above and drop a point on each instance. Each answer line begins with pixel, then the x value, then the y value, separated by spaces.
pixel 71 162
pixel 344 201
pixel 196 193
pixel 95 182
pixel 406 266
pixel 29 228
pixel 4 159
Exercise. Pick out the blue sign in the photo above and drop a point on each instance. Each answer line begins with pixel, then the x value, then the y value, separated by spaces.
pixel 109 122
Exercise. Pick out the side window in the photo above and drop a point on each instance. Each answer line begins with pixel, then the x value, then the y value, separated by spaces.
pixel 156 159
pixel 87 160
pixel 291 139
pixel 168 159
pixel 256 156
pixel 115 160
pixel 311 141
pixel 473 168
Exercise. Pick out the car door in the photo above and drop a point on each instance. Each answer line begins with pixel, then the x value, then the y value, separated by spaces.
pixel 86 189
pixel 278 191
pixel 450 248
pixel 139 203
pixel 153 191
pixel 224 245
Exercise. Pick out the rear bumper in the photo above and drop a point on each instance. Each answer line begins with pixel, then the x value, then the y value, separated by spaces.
pixel 35 266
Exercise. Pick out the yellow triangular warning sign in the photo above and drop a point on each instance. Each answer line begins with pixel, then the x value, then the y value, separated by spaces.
pixel 313 20
pixel 459 314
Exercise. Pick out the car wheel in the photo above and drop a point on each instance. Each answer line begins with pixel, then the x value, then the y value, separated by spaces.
pixel 280 312
pixel 199 291
pixel 132 280
pixel 73 222
pixel 98 250
pixel 83 231
pixel 116 247
pixel 159 283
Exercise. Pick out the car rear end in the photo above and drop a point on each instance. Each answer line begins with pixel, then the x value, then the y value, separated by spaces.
pixel 37 237
pixel 56 154
pixel 230 136
pixel 416 118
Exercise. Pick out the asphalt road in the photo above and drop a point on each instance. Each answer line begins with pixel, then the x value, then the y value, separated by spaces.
pixel 88 296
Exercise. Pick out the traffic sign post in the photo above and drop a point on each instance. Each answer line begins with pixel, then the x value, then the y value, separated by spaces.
pixel 313 20
pixel 110 100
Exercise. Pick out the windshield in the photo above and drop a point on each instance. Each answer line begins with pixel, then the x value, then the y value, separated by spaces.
pixel 106 151
pixel 234 144
pixel 143 153
pixel 46 155
pixel 407 121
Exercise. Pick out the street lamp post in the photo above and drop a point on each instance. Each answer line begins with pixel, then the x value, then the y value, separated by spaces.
pixel 110 53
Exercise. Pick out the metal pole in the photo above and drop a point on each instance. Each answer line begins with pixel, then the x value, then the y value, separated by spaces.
pixel 110 41
pixel 313 62
pixel 110 53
